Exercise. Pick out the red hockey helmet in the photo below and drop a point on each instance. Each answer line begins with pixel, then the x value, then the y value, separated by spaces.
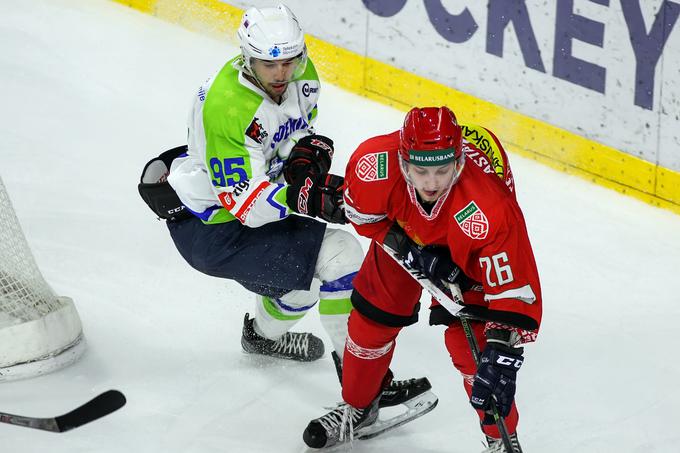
pixel 431 137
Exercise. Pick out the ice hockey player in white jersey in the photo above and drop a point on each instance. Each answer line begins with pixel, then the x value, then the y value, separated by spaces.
pixel 254 159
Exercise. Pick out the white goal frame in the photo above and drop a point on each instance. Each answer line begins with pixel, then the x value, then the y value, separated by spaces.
pixel 40 332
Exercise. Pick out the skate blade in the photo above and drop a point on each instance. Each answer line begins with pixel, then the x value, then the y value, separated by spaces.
pixel 414 408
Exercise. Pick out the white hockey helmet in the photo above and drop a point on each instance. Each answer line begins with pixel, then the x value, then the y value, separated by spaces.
pixel 272 34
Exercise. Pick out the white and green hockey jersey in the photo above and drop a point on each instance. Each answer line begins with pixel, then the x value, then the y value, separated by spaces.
pixel 239 140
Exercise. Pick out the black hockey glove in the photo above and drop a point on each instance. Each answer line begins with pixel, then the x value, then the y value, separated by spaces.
pixel 397 240
pixel 318 196
pixel 433 261
pixel 311 156
pixel 436 263
pixel 496 376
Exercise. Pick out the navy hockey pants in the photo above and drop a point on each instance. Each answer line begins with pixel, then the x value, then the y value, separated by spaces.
pixel 270 260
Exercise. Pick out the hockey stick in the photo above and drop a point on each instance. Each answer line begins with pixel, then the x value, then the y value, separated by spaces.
pixel 97 407
pixel 464 314
pixel 500 421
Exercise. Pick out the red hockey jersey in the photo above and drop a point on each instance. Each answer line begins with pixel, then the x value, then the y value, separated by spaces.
pixel 479 220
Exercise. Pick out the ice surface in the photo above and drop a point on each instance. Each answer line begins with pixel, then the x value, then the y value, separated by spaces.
pixel 91 90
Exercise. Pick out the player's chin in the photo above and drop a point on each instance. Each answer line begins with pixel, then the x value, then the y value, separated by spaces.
pixel 278 88
pixel 430 195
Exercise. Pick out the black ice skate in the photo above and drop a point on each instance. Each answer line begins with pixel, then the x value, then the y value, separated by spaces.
pixel 341 424
pixel 399 392
pixel 303 347
pixel 412 399
pixel 396 392
pixel 496 445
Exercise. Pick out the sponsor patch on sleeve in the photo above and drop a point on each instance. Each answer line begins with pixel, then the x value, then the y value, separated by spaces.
pixel 234 200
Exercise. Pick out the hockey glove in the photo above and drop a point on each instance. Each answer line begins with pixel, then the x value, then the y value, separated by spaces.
pixel 436 263
pixel 495 377
pixel 318 196
pixel 397 240
pixel 433 261
pixel 311 156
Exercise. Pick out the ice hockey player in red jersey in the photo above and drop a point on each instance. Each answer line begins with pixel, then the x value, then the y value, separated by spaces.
pixel 442 195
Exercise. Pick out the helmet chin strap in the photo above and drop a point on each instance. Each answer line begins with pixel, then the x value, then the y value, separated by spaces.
pixel 258 82
pixel 252 76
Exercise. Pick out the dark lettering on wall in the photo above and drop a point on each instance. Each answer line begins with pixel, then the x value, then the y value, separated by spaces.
pixel 501 13
pixel 570 26
pixel 454 28
pixel 648 46
pixel 384 8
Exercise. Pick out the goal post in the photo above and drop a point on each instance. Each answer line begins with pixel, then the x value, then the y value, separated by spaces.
pixel 40 332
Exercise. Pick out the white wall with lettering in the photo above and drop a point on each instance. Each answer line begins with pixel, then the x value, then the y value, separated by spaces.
pixel 608 70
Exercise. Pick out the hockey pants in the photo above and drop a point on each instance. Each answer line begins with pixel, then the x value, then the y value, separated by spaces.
pixel 339 260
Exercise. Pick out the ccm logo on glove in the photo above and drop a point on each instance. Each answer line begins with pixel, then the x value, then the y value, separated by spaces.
pixel 303 198
pixel 317 196
pixel 509 361
pixel 496 377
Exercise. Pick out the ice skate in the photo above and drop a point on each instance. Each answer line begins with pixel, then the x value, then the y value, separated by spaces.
pixel 333 428
pixel 302 347
pixel 397 391
pixel 342 424
pixel 496 445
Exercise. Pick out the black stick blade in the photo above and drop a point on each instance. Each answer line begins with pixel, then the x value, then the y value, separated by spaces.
pixel 97 407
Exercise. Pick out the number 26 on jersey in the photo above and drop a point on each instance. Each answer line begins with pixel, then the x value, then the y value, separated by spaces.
pixel 497 269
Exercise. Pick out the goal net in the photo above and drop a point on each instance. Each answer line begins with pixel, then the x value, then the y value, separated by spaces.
pixel 39 331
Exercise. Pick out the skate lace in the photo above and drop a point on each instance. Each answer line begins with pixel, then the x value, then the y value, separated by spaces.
pixel 495 447
pixel 341 417
pixel 291 342
pixel 398 385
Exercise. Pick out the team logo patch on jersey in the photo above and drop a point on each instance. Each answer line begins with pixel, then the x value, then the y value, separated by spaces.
pixel 472 221
pixel 372 167
pixel 256 131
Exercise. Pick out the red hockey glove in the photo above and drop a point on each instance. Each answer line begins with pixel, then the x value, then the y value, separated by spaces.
pixel 311 156
pixel 318 196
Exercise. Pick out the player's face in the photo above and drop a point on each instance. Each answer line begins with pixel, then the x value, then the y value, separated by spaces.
pixel 275 75
pixel 432 182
